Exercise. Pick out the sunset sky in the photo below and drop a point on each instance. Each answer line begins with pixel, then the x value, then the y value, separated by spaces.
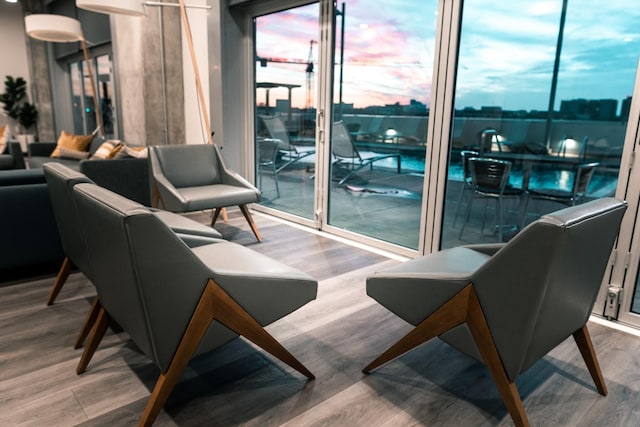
pixel 506 54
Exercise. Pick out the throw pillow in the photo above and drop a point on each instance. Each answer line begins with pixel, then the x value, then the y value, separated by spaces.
pixel 137 152
pixel 68 153
pixel 106 150
pixel 4 131
pixel 72 142
pixel 127 151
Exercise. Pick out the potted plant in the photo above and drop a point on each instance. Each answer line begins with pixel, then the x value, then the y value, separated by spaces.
pixel 19 109
pixel 28 117
pixel 15 90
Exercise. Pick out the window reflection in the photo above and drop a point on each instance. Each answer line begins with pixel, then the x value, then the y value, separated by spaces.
pixel 83 106
pixel 547 90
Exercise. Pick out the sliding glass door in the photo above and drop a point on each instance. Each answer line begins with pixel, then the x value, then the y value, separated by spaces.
pixel 383 58
pixel 365 177
pixel 285 111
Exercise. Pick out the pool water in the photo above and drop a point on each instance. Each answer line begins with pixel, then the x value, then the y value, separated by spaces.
pixel 602 184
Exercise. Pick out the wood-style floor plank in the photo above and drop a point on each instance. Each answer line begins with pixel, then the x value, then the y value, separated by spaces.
pixel 335 336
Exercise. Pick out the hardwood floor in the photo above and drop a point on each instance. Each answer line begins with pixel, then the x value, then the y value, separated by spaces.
pixel 335 336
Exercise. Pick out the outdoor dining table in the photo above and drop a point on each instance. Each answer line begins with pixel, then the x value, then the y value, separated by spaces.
pixel 529 160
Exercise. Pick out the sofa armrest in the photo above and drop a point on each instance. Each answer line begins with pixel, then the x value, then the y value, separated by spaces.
pixel 43 149
pixel 16 153
pixel 128 177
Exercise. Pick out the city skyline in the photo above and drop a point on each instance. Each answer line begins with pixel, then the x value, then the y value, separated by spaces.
pixel 389 52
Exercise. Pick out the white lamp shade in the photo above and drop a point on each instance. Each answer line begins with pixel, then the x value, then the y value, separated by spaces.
pixel 120 7
pixel 53 28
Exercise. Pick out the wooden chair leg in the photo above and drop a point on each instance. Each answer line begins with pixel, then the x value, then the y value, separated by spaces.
pixel 215 215
pixel 463 307
pixel 252 224
pixel 156 198
pixel 61 278
pixel 451 314
pixel 232 315
pixel 89 321
pixel 97 333
pixel 583 340
pixel 216 304
pixel 484 341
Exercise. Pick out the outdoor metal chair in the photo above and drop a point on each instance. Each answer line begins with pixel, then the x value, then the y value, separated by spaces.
pixel 348 156
pixel 490 180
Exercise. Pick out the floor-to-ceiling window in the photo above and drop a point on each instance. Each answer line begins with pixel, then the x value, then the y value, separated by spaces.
pixel 83 105
pixel 382 57
pixel 383 60
pixel 546 87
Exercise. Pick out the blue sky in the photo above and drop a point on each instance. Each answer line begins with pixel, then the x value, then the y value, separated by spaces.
pixel 506 54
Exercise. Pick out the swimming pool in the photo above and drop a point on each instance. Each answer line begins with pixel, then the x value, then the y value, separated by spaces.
pixel 602 184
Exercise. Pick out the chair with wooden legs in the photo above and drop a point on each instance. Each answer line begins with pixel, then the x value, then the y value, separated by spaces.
pixel 508 305
pixel 172 299
pixel 193 177
pixel 60 182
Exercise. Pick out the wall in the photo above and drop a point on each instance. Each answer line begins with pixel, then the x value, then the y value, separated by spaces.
pixel 13 47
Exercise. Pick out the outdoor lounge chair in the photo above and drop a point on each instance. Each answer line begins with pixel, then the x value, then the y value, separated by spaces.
pixel 508 305
pixel 348 156
pixel 290 153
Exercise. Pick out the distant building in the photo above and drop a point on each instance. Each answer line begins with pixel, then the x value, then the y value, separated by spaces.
pixel 625 108
pixel 589 109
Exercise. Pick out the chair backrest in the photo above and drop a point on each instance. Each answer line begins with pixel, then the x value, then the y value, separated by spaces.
pixel 189 165
pixel 104 216
pixel 276 128
pixel 582 179
pixel 541 286
pixel 489 175
pixel 487 138
pixel 466 172
pixel 267 151
pixel 146 277
pixel 60 182
pixel 341 145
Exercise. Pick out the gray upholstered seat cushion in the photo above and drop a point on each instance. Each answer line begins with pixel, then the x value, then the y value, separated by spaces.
pixel 185 226
pixel 414 289
pixel 220 195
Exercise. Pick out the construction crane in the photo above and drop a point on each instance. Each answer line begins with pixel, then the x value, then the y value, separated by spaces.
pixel 309 71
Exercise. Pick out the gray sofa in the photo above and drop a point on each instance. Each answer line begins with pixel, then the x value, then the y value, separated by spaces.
pixel 127 176
pixel 30 239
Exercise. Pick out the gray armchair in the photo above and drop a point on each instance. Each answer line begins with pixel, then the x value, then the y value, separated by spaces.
pixel 190 178
pixel 60 182
pixel 175 301
pixel 508 305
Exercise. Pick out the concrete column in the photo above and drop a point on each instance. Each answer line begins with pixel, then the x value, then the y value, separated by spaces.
pixel 148 69
pixel 40 77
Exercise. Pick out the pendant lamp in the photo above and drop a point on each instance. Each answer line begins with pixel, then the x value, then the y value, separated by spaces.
pixel 53 28
pixel 120 7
